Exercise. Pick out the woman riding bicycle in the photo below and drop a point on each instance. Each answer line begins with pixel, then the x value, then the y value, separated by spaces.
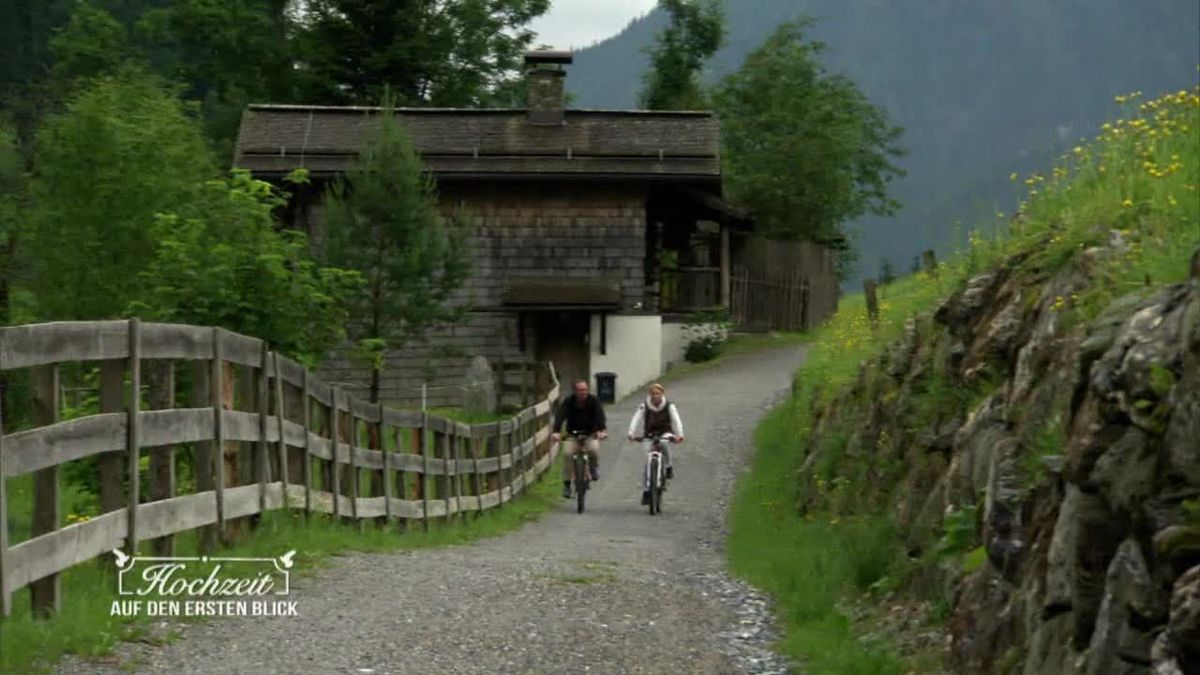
pixel 656 416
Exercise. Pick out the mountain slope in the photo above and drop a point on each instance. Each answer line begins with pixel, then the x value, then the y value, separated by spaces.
pixel 1010 450
pixel 983 89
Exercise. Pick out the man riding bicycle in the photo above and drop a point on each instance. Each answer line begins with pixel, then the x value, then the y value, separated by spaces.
pixel 656 416
pixel 583 413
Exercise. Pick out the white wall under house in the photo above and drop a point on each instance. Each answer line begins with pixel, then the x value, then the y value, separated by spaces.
pixel 673 344
pixel 633 350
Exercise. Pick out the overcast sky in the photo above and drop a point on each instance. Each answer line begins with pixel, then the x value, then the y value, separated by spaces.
pixel 579 23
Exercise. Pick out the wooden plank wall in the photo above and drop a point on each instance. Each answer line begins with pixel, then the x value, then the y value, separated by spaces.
pixel 782 285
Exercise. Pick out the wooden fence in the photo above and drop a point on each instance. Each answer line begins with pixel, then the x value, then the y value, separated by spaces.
pixel 285 440
pixel 516 383
pixel 776 302
pixel 782 285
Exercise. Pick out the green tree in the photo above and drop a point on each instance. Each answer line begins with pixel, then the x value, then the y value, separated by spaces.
pixel 887 271
pixel 93 43
pixel 803 148
pixel 12 195
pixel 220 260
pixel 25 60
pixel 695 32
pixel 383 221
pixel 428 53
pixel 226 54
pixel 123 150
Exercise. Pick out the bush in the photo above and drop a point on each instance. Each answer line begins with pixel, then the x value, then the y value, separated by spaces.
pixel 705 335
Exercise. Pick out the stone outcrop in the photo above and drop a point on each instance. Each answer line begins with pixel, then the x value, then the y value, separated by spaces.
pixel 1076 443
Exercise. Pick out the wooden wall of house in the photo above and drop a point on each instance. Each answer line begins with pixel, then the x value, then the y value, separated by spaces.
pixel 570 230
pixel 548 229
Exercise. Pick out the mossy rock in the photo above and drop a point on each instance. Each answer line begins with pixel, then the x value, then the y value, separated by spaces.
pixel 1178 541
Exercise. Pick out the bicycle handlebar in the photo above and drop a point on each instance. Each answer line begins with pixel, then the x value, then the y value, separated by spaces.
pixel 660 437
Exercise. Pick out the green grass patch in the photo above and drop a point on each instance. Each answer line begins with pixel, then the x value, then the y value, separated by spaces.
pixel 84 626
pixel 807 565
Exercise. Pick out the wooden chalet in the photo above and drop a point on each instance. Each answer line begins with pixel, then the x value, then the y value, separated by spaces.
pixel 594 230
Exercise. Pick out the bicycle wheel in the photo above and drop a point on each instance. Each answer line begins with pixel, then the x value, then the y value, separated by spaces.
pixel 653 484
pixel 581 482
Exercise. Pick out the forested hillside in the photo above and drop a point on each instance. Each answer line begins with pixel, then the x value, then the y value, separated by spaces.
pixel 982 89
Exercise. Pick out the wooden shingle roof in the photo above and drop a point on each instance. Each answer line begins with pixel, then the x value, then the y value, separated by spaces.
pixel 488 143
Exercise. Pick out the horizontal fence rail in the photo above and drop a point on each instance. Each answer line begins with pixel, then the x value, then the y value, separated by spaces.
pixel 264 434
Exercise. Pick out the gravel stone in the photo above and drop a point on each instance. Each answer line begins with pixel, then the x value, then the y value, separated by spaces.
pixel 613 590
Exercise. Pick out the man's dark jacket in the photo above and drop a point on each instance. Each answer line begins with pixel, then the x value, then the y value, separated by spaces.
pixel 587 417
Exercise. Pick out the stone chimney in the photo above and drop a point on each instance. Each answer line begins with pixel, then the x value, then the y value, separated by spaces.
pixel 544 81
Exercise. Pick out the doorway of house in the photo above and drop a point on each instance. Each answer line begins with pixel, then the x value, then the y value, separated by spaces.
pixel 562 338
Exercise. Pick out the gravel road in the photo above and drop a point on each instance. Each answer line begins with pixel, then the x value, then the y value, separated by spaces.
pixel 610 591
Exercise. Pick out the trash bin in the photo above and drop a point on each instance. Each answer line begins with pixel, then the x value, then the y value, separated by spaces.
pixel 606 387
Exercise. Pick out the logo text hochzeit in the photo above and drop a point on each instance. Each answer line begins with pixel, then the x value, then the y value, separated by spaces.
pixel 203 586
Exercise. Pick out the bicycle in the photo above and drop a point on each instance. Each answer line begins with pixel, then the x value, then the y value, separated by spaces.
pixel 655 471
pixel 581 473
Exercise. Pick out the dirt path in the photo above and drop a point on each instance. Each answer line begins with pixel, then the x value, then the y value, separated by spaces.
pixel 611 591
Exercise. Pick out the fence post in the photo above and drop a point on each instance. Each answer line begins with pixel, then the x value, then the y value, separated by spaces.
pixel 872 301
pixel 238 455
pixel 5 596
pixel 162 460
pixel 261 470
pixel 459 441
pixel 307 422
pixel 478 478
pixel 805 294
pixel 503 446
pixel 334 435
pixel 203 457
pixel 514 466
pixel 280 416
pixel 45 592
pixel 216 388
pixel 929 262
pixel 401 477
pixel 351 446
pixel 447 478
pixel 386 474
pixel 425 443
pixel 133 440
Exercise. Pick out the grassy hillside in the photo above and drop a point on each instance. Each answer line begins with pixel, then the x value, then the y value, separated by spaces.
pixel 982 88
pixel 1138 182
